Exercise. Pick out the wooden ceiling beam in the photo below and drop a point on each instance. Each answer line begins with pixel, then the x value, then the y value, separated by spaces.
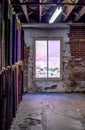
pixel 48 3
pixel 24 8
pixel 80 14
pixel 40 11
pixel 70 9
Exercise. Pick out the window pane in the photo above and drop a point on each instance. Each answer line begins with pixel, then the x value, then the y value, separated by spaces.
pixel 54 58
pixel 41 59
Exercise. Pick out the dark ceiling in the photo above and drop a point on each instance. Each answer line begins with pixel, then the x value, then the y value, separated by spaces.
pixel 40 11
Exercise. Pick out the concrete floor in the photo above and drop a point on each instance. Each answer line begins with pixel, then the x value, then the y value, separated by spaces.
pixel 51 112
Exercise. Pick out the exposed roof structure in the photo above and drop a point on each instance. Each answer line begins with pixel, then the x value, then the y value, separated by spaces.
pixel 40 11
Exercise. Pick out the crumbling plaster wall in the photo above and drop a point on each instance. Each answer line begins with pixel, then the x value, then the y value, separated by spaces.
pixel 63 85
pixel 76 65
pixel 25 67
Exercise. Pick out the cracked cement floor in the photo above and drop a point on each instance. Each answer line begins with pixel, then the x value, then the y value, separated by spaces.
pixel 50 112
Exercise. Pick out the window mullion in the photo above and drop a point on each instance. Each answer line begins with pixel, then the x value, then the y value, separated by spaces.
pixel 47 58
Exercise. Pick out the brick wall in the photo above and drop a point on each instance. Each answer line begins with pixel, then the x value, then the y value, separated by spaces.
pixel 77 40
pixel 76 65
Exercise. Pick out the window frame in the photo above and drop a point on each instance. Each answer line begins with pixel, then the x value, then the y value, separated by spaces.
pixel 46 38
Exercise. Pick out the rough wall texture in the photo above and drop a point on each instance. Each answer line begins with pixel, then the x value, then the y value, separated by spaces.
pixel 76 65
pixel 25 66
pixel 73 52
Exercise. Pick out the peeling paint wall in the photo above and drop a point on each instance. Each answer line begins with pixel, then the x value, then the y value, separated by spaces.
pixel 63 85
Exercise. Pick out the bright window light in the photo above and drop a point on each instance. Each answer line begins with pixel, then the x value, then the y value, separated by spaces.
pixel 47 58
pixel 55 15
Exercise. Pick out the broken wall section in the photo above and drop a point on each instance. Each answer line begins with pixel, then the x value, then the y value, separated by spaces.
pixel 76 65
pixel 58 31
pixel 73 59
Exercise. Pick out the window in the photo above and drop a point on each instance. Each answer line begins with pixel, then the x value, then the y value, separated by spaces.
pixel 47 58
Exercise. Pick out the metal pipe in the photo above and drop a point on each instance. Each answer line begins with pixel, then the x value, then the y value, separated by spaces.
pixel 53 4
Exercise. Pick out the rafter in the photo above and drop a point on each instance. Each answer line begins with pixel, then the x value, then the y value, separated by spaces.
pixel 49 3
pixel 40 10
pixel 80 14
pixel 24 8
pixel 70 9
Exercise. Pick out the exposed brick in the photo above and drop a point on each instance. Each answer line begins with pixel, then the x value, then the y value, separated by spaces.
pixel 77 40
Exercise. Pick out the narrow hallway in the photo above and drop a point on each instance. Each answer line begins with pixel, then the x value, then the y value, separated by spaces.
pixel 50 112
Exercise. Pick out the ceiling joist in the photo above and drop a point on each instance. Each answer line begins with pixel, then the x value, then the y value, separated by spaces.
pixel 80 14
pixel 50 3
pixel 24 8
pixel 41 10
pixel 70 9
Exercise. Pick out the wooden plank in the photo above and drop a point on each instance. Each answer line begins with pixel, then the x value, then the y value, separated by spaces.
pixel 80 14
pixel 69 9
pixel 24 8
